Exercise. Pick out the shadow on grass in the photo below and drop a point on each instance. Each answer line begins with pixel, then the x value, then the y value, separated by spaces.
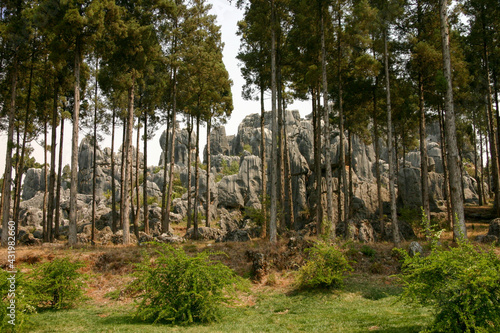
pixel 407 329
pixel 127 319
pixel 371 290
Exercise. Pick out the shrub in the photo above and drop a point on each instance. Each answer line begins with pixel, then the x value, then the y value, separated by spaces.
pixel 324 269
pixel 461 284
pixel 58 284
pixel 180 289
pixel 368 251
pixel 23 302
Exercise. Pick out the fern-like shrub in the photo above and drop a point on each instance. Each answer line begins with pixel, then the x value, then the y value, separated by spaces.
pixel 179 289
pixel 461 285
pixel 58 283
pixel 325 268
pixel 22 299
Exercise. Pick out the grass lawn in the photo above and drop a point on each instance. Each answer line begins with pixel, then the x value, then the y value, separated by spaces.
pixel 366 304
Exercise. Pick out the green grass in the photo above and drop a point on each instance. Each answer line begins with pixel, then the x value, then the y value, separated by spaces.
pixel 366 305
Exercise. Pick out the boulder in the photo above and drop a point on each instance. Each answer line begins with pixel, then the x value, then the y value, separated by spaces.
pixel 238 235
pixel 205 233
pixel 415 248
pixel 494 229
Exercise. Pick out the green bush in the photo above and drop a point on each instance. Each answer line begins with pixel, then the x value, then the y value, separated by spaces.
pixel 368 251
pixel 324 269
pixel 180 289
pixel 58 283
pixel 461 284
pixel 23 301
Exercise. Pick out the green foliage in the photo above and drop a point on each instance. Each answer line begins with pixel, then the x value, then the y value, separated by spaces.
pixel 228 170
pixel 248 148
pixel 58 284
pixel 180 289
pixel 368 251
pixel 23 302
pixel 461 284
pixel 178 189
pixel 256 215
pixel 324 269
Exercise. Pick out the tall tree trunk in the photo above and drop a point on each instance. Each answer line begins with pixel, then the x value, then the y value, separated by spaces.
pixel 281 152
pixel 351 166
pixel 288 180
pixel 483 193
pixel 476 174
pixel 196 178
pixel 274 157
pixel 45 184
pixel 392 192
pixel 126 200
pixel 94 160
pixel 52 183
pixel 493 134
pixel 74 151
pixel 207 211
pixel 459 230
pixel 263 162
pixel 190 131
pixel 137 191
pixel 7 176
pixel 165 215
pixel 327 130
pixel 122 171
pixel 114 227
pixel 317 161
pixel 59 176
pixel 377 158
pixel 424 171
pixel 145 175
pixel 20 170
pixel 445 168
pixel 172 151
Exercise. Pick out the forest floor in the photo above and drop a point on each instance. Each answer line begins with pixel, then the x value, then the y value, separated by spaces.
pixel 369 301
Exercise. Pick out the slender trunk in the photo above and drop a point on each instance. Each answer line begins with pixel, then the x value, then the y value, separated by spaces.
pixel 288 174
pixel 126 201
pixel 45 184
pixel 207 218
pixel 377 158
pixel 94 160
pixel 74 152
pixel 263 162
pixel 122 171
pixel 196 178
pixel 59 177
pixel 190 131
pixel 52 183
pixel 281 152
pixel 476 174
pixel 493 134
pixel 274 171
pixel 483 193
pixel 351 192
pixel 392 191
pixel 327 130
pixel 459 232
pixel 20 172
pixel 172 151
pixel 165 215
pixel 317 161
pixel 424 171
pixel 8 157
pixel 137 191
pixel 114 227
pixel 145 175
pixel 445 168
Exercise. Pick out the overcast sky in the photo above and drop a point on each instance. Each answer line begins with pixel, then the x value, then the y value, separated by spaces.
pixel 227 17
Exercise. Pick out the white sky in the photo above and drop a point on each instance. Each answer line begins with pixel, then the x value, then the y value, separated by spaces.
pixel 227 17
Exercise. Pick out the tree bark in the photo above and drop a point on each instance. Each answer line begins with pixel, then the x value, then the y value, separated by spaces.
pixel 164 213
pixel 45 183
pixel 274 171
pixel 94 161
pixel 172 150
pixel 114 226
pixel 74 152
pixel 145 175
pixel 190 131
pixel 207 211
pixel 263 162
pixel 424 171
pixel 317 161
pixel 196 179
pixel 126 201
pixel 327 130
pixel 392 192
pixel 8 157
pixel 59 176
pixel 52 182
pixel 459 230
